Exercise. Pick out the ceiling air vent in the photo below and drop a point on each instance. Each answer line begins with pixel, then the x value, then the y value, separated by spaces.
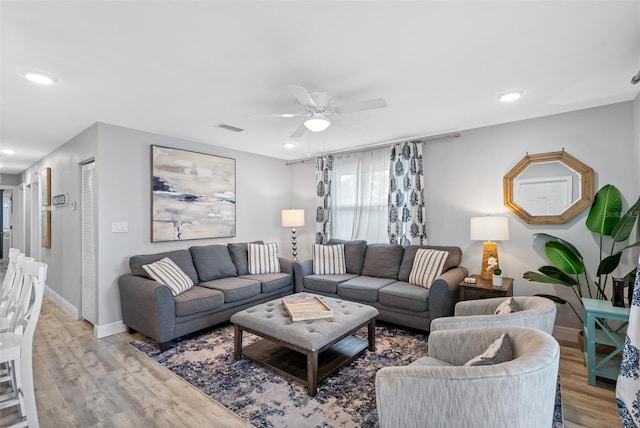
pixel 230 128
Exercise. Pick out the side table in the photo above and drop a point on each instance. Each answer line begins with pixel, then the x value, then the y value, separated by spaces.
pixel 484 289
pixel 598 332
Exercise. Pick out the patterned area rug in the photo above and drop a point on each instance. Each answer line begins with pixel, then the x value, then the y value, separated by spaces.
pixel 265 399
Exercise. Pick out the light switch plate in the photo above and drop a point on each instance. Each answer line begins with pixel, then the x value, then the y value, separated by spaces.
pixel 120 227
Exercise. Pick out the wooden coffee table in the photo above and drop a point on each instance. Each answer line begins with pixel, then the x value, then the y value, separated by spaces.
pixel 304 351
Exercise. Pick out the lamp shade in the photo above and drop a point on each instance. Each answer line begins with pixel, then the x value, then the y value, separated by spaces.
pixel 292 218
pixel 489 228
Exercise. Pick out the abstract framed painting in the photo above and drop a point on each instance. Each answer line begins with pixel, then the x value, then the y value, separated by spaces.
pixel 45 229
pixel 193 195
pixel 45 187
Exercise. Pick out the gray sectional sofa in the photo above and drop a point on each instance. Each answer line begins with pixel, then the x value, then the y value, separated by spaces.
pixel 223 287
pixel 378 275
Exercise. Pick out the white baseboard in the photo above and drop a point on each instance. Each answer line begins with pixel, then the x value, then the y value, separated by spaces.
pixel 566 333
pixel 60 301
pixel 101 331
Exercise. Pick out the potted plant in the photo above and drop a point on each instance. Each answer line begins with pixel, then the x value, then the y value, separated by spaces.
pixel 497 277
pixel 567 264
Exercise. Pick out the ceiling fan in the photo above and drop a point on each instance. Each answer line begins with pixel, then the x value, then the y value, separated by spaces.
pixel 319 109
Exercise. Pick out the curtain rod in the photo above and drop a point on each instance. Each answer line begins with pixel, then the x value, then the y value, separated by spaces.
pixel 373 146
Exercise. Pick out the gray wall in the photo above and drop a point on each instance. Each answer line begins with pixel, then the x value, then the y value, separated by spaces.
pixel 123 181
pixel 463 179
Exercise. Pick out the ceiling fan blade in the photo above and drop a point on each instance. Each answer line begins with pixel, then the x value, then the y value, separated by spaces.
pixel 299 132
pixel 360 105
pixel 302 96
pixel 278 115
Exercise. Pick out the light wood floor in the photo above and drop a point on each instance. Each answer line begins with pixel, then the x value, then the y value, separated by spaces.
pixel 84 382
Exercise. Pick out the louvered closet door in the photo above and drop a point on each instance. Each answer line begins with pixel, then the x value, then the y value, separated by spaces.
pixel 89 243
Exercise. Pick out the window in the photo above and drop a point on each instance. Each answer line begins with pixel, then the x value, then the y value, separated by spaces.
pixel 359 196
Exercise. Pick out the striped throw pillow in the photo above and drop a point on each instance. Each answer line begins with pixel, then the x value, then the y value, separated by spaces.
pixel 329 259
pixel 427 265
pixel 166 272
pixel 263 258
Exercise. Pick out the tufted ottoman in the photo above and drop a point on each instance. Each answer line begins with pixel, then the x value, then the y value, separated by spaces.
pixel 326 343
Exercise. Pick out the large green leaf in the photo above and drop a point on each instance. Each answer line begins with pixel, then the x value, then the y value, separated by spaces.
pixel 609 264
pixel 563 258
pixel 605 210
pixel 538 277
pixel 567 244
pixel 622 230
pixel 556 273
pixel 552 297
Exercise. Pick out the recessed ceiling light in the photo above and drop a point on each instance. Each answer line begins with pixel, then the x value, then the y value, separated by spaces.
pixel 7 152
pixel 39 78
pixel 510 96
pixel 288 145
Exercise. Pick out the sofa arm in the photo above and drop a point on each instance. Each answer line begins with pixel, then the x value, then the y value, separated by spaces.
pixel 444 292
pixel 301 268
pixel 147 307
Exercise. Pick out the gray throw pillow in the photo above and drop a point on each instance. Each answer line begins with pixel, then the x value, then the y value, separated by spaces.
pixel 212 262
pixel 498 352
pixel 507 307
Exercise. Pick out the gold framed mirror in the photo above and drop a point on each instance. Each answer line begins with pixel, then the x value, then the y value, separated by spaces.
pixel 548 188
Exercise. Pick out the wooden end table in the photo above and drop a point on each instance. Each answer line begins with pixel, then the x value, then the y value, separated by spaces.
pixel 484 289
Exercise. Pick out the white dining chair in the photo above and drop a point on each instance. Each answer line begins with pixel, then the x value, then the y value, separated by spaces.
pixel 9 275
pixel 16 346
pixel 8 307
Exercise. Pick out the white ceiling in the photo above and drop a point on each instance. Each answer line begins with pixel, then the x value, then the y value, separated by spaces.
pixel 181 68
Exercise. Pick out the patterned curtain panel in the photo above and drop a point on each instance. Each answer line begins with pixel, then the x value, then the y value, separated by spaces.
pixel 324 167
pixel 407 222
pixel 628 385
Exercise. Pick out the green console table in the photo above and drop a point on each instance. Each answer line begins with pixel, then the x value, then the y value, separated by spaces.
pixel 597 331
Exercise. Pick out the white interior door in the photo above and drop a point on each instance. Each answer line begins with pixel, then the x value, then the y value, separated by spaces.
pixel 7 232
pixel 89 243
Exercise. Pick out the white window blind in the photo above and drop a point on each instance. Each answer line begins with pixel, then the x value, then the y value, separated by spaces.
pixel 359 196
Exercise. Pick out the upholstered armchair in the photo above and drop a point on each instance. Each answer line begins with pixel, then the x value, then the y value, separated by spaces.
pixel 536 312
pixel 438 391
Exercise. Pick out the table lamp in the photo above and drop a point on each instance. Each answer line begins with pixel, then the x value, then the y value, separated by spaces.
pixel 293 219
pixel 489 229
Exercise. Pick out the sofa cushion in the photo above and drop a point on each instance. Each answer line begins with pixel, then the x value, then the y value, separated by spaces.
pixel 363 288
pixel 329 260
pixel 427 265
pixel 212 262
pixel 271 281
pixel 263 258
pixel 382 260
pixel 240 256
pixel 326 283
pixel 453 260
pixel 430 362
pixel 198 299
pixel 354 252
pixel 180 257
pixel 509 306
pixel 234 288
pixel 403 295
pixel 166 272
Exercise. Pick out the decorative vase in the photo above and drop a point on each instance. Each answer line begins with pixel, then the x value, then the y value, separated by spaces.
pixel 497 280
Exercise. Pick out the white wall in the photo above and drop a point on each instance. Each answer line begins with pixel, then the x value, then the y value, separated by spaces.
pixel 123 176
pixel 463 179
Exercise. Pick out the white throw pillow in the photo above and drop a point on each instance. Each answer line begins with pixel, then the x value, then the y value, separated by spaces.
pixel 507 307
pixel 498 352
pixel 263 258
pixel 329 259
pixel 427 265
pixel 166 272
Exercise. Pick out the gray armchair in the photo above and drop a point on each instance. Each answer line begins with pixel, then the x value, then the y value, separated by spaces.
pixel 438 391
pixel 537 312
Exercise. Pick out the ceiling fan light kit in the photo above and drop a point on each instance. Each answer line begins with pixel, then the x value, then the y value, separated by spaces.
pixel 317 123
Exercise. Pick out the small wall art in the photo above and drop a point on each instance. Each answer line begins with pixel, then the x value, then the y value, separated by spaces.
pixel 193 195
pixel 45 228
pixel 45 187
